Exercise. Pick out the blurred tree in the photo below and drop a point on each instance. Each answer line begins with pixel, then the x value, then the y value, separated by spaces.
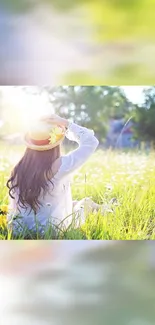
pixel 144 117
pixel 92 106
pixel 81 104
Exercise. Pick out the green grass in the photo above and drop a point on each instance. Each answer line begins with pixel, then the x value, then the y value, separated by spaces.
pixel 129 177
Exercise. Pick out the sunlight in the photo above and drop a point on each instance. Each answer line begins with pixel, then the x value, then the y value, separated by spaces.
pixel 25 105
pixel 135 94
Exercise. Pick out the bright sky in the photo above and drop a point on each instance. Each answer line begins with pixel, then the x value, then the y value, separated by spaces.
pixel 134 93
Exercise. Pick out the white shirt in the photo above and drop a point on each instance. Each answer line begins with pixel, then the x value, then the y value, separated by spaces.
pixel 57 203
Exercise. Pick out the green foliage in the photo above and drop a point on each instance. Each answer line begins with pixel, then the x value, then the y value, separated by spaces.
pixel 90 105
pixel 145 117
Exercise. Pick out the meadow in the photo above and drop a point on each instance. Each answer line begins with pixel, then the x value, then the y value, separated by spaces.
pixel 125 178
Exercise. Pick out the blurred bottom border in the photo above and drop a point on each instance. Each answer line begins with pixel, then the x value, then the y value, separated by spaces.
pixel 77 282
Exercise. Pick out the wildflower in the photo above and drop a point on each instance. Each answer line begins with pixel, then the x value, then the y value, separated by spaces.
pixel 3 209
pixel 53 138
pixel 109 187
pixel 56 134
pixel 58 131
pixel 3 213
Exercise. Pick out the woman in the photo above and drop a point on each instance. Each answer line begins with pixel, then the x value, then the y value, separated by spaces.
pixel 39 186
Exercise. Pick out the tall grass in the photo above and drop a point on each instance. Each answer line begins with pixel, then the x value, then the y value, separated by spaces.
pixel 129 177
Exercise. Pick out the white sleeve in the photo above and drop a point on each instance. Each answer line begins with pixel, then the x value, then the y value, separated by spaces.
pixel 87 145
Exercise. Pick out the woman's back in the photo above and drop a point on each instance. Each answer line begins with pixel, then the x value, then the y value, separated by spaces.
pixel 55 199
pixel 56 204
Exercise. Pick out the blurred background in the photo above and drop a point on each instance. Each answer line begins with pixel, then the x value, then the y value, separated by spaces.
pixel 77 282
pixel 122 117
pixel 85 42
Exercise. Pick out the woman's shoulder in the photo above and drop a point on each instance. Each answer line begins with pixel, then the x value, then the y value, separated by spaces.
pixel 61 167
pixel 56 166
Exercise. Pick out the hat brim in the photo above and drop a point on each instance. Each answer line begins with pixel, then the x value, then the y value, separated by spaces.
pixel 29 144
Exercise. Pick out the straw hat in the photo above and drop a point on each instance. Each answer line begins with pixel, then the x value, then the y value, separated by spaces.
pixel 44 136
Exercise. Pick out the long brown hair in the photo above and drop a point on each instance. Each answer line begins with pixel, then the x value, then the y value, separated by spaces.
pixel 31 176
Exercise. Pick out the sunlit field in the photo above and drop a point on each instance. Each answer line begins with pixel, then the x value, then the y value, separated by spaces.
pixel 125 179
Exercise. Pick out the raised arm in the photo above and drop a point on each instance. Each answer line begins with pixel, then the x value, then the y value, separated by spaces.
pixel 87 145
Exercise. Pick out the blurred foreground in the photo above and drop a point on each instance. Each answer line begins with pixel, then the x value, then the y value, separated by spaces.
pixel 77 282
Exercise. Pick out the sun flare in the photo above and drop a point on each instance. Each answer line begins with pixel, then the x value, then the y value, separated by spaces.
pixel 25 105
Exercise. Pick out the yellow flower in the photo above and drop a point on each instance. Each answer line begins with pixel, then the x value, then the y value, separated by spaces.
pixel 57 131
pixel 55 135
pixel 53 138
pixel 4 209
pixel 3 221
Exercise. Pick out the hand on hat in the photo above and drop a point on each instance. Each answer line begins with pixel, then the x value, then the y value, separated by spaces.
pixel 55 119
